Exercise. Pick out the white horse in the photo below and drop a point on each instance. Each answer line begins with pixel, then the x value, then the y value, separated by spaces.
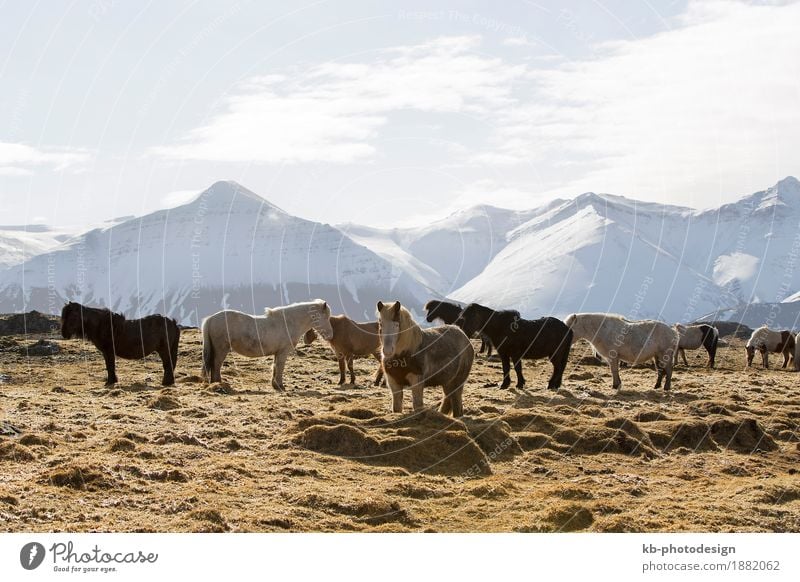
pixel 616 338
pixel 416 357
pixel 274 333
pixel 766 340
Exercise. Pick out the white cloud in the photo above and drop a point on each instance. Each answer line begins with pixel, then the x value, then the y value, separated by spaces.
pixel 18 159
pixel 706 108
pixel 333 112
pixel 711 105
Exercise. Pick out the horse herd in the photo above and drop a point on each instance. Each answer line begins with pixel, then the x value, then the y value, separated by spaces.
pixel 408 355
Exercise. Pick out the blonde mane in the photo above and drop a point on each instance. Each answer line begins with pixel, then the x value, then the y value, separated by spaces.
pixel 410 335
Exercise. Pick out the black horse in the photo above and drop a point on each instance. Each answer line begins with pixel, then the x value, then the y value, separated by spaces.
pixel 114 335
pixel 516 339
pixel 448 313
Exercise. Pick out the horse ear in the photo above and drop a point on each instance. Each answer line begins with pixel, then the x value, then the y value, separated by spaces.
pixel 324 305
pixel 396 309
pixel 380 306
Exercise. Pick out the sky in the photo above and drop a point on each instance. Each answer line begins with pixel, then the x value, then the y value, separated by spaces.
pixel 387 113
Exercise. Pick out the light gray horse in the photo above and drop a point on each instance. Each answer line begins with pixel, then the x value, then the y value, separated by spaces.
pixel 274 333
pixel 635 342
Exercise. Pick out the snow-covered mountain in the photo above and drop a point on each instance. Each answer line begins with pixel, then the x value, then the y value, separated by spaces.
pixel 226 248
pixel 608 253
pixel 20 243
pixel 447 253
pixel 598 252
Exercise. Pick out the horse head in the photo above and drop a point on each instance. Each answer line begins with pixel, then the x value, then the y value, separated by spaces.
pixel 389 326
pixel 71 321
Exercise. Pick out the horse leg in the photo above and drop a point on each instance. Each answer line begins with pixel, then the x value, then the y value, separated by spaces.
pixel 111 367
pixel 417 388
pixel 785 359
pixel 660 370
pixel 683 355
pixel 340 357
pixel 379 373
pixel 668 375
pixel 488 348
pixel 765 359
pixel 277 370
pixel 169 375
pixel 453 402
pixel 483 345
pixel 506 361
pixel 613 363
pixel 350 368
pixel 397 394
pixel 559 360
pixel 520 377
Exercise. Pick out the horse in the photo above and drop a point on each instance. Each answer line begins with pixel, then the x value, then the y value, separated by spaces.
pixel 133 339
pixel 618 339
pixel 352 339
pixel 691 337
pixel 416 357
pixel 766 340
pixel 274 333
pixel 448 313
pixel 516 339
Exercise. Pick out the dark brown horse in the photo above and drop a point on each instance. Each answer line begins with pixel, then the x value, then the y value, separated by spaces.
pixel 448 313
pixel 114 335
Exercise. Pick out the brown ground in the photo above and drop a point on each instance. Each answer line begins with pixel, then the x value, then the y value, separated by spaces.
pixel 719 453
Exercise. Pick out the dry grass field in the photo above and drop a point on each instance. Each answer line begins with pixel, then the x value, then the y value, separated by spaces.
pixel 718 453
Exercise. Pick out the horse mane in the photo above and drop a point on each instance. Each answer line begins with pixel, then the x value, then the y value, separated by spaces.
pixel 270 310
pixel 98 311
pixel 410 335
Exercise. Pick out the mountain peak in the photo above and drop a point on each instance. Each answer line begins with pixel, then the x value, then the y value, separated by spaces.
pixel 228 192
pixel 786 192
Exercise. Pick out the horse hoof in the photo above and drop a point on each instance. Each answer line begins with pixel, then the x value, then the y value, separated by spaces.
pixel 504 386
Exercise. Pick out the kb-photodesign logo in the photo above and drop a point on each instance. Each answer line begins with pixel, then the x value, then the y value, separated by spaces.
pixel 31 555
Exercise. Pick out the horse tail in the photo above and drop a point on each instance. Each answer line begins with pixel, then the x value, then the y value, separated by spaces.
pixel 174 343
pixel 208 352
pixel 712 342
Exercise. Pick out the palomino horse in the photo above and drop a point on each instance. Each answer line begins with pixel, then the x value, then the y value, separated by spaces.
pixel 352 339
pixel 692 337
pixel 766 340
pixel 274 333
pixel 416 357
pixel 517 339
pixel 618 339
pixel 132 339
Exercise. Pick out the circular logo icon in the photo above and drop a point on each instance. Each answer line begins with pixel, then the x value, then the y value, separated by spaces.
pixel 31 555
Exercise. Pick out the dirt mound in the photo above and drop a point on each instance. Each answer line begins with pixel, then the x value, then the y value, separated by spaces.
pixel 40 348
pixel 12 451
pixel 730 328
pixel 80 478
pixel 32 322
pixel 429 442
pixel 741 435
pixel 31 440
pixel 164 401
pixel 122 445
pixel 169 438
pixel 570 517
